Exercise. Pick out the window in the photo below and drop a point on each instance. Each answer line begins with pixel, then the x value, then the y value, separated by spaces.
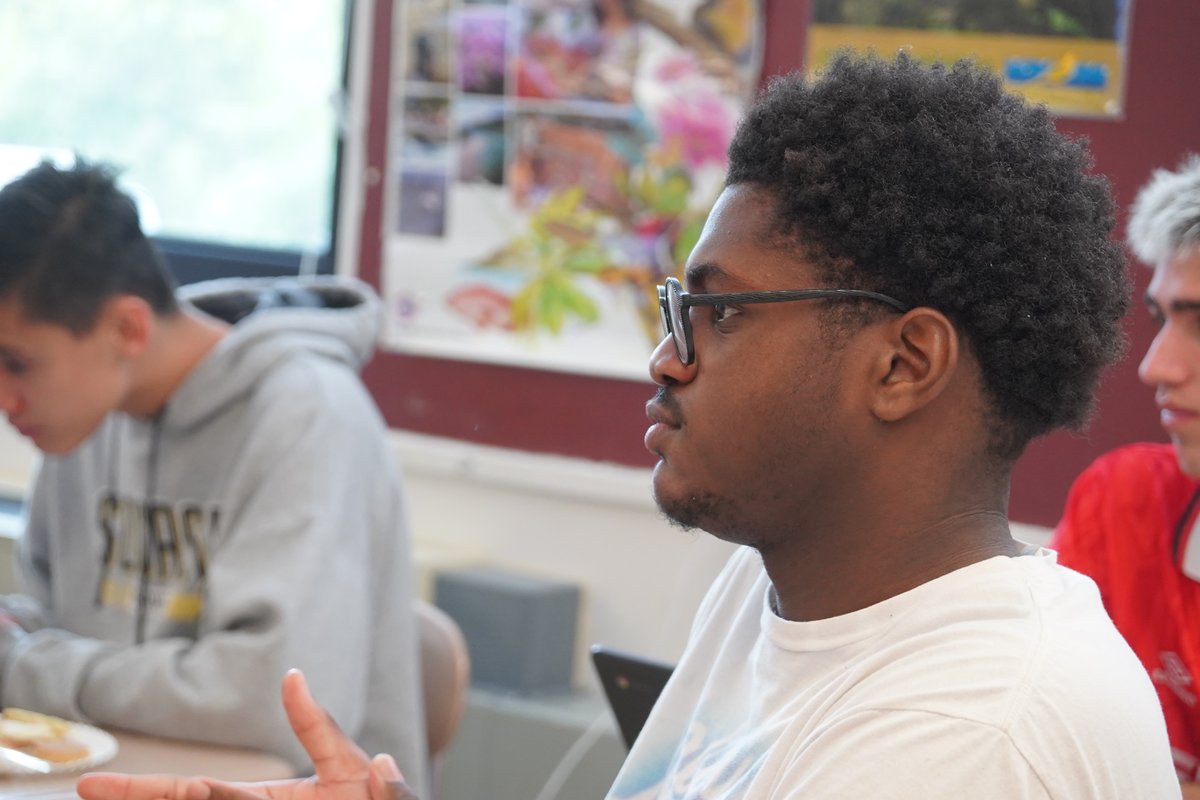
pixel 223 116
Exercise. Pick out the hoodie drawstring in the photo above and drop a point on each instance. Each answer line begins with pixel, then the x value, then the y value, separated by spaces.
pixel 148 543
pixel 114 481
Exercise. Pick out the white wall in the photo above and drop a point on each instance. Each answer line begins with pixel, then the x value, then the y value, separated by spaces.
pixel 589 523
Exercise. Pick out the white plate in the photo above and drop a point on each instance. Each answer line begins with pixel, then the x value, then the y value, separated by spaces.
pixel 101 747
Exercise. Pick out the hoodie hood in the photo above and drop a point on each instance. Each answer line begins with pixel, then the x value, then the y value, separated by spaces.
pixel 273 320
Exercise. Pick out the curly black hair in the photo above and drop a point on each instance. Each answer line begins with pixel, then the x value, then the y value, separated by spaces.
pixel 933 185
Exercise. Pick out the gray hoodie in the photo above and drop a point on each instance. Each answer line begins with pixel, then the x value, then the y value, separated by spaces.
pixel 182 564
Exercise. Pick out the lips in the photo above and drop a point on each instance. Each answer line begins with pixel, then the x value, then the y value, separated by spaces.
pixel 1173 416
pixel 663 409
pixel 659 415
pixel 665 417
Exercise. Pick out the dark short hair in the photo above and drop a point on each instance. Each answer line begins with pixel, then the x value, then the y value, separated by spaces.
pixel 933 185
pixel 70 240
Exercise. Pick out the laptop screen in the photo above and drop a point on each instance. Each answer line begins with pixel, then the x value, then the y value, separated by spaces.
pixel 632 685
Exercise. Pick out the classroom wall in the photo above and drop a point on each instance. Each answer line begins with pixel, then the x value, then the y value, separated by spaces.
pixel 603 420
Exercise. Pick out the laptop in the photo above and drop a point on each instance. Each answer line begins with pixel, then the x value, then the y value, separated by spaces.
pixel 632 685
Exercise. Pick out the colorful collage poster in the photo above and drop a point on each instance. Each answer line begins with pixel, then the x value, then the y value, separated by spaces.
pixel 552 161
pixel 1066 54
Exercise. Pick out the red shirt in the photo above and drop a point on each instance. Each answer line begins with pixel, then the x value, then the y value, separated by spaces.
pixel 1127 524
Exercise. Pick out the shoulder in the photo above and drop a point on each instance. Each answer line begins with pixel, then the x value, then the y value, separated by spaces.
pixel 307 386
pixel 1141 467
pixel 306 408
pixel 1027 663
pixel 904 753
pixel 1135 488
pixel 981 642
pixel 908 752
pixel 1084 702
pixel 1089 705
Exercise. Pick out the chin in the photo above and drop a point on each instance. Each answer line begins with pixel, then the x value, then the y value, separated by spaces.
pixel 700 510
pixel 671 498
pixel 53 448
pixel 676 506
pixel 59 446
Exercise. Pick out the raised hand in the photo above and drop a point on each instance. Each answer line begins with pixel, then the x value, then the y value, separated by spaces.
pixel 343 770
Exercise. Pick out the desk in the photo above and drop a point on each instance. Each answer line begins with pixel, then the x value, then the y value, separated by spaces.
pixel 137 753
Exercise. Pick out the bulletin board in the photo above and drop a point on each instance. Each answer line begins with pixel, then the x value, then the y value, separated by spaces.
pixel 550 163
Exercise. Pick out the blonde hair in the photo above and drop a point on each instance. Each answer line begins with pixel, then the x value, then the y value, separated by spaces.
pixel 1165 219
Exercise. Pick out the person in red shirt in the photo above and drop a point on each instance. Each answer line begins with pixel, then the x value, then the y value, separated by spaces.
pixel 1131 520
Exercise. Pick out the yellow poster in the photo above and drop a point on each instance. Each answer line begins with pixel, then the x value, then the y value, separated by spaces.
pixel 1067 54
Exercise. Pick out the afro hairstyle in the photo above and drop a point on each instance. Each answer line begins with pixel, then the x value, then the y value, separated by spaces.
pixel 934 185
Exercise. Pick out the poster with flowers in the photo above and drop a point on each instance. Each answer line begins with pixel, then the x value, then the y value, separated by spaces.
pixel 551 162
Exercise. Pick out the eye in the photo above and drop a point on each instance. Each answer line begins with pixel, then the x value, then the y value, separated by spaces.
pixel 721 312
pixel 1191 324
pixel 14 366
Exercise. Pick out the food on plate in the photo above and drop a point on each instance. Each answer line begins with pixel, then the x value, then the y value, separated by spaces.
pixel 40 735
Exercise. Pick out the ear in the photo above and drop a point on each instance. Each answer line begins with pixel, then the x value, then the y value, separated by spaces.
pixel 129 322
pixel 915 365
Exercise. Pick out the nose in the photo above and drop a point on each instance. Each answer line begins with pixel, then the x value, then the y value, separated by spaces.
pixel 665 366
pixel 1164 363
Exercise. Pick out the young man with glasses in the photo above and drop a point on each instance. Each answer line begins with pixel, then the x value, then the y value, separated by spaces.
pixel 1132 520
pixel 907 278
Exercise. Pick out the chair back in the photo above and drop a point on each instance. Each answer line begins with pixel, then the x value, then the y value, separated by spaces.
pixel 445 674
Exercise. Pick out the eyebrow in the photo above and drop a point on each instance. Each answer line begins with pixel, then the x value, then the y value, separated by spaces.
pixel 697 277
pixel 1174 305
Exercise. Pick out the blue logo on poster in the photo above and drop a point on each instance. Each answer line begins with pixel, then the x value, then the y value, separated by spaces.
pixel 1024 70
pixel 1065 71
pixel 1088 76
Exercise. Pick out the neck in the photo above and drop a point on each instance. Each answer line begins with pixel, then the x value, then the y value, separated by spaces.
pixel 179 343
pixel 872 556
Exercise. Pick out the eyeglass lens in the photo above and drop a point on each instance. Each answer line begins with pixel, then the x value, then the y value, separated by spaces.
pixel 678 327
pixel 662 310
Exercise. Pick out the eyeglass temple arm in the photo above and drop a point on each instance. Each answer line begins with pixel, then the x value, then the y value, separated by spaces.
pixel 734 298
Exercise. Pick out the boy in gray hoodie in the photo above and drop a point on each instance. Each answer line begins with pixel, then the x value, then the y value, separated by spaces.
pixel 216 503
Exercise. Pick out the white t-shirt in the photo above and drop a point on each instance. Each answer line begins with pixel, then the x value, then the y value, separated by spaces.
pixel 1003 679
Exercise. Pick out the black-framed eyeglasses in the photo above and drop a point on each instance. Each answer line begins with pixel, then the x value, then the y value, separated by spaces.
pixel 673 303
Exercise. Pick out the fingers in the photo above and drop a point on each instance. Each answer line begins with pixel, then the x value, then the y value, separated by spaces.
pixel 335 756
pixel 114 786
pixel 386 782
